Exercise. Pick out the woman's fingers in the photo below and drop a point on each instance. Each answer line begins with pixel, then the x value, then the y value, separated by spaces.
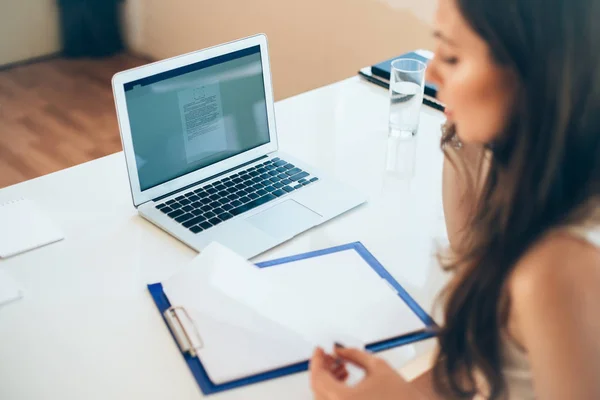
pixel 339 371
pixel 337 366
pixel 341 375
pixel 358 357
pixel 325 383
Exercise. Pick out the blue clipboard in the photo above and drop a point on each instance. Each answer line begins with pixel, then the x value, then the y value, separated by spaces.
pixel 207 387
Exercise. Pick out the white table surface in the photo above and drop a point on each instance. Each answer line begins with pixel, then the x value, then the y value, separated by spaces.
pixel 87 327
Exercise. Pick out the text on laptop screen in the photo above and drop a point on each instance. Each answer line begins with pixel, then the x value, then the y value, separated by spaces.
pixel 194 116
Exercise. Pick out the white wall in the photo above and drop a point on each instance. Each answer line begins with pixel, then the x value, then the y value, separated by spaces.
pixel 312 42
pixel 28 29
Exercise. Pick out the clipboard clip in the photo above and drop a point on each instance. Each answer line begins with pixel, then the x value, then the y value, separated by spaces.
pixel 185 332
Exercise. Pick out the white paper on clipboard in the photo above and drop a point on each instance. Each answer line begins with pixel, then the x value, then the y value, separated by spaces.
pixel 254 319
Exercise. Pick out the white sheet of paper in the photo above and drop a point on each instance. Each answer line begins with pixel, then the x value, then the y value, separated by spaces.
pixel 9 289
pixel 256 319
pixel 280 302
pixel 326 295
pixel 24 226
pixel 237 341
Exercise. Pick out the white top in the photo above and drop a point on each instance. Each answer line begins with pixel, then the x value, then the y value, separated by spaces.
pixel 87 327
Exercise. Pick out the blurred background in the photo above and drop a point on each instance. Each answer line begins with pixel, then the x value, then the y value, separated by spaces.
pixel 57 58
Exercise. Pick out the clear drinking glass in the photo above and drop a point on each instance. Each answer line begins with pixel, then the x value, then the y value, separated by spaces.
pixel 407 85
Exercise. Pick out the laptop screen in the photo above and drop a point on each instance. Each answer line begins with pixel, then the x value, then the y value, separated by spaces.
pixel 196 115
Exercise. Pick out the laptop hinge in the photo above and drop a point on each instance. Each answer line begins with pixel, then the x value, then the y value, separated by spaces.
pixel 164 196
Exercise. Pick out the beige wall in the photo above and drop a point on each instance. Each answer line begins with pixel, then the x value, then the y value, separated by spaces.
pixel 312 42
pixel 28 29
pixel 132 19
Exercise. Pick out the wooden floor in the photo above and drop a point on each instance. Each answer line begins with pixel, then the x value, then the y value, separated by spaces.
pixel 58 113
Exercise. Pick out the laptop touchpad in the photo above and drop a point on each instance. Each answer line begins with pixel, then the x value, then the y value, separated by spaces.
pixel 285 220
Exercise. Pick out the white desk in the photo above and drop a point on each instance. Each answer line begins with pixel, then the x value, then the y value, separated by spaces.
pixel 88 329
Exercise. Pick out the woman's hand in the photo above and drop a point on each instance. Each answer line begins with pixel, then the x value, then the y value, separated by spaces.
pixel 381 382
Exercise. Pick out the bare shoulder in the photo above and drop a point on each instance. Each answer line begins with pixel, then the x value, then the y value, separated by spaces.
pixel 559 276
pixel 555 292
pixel 560 261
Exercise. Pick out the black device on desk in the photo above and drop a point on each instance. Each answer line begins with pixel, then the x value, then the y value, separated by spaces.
pixel 379 74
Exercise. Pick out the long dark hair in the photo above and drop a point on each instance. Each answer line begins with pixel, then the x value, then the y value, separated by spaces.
pixel 544 172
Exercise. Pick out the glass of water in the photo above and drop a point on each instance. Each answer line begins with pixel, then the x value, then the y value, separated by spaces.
pixel 407 85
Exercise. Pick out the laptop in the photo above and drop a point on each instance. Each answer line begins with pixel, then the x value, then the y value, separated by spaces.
pixel 200 144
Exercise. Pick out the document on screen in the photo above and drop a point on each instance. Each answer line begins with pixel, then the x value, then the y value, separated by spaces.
pixel 201 113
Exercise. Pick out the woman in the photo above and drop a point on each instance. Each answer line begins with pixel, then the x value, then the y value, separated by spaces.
pixel 521 80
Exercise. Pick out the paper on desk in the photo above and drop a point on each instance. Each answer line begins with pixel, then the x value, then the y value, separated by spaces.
pixel 253 320
pixel 237 341
pixel 9 289
pixel 226 287
pixel 24 226
pixel 336 296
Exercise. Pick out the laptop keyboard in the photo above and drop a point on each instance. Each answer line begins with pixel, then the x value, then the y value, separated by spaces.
pixel 219 201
